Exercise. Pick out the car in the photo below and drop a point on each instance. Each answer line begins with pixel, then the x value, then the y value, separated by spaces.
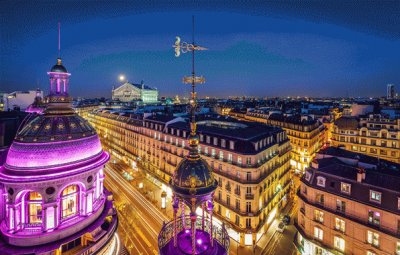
pixel 281 227
pixel 286 219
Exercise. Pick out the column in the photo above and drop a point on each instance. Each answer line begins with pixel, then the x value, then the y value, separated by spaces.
pixel 175 207
pixel 183 214
pixel 44 218
pixel 202 216
pixel 210 211
pixel 193 218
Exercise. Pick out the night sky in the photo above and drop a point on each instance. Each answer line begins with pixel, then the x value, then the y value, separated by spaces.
pixel 326 48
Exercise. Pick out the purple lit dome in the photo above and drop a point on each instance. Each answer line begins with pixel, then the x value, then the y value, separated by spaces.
pixel 49 141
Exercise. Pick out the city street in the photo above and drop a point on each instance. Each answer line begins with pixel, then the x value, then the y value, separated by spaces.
pixel 139 205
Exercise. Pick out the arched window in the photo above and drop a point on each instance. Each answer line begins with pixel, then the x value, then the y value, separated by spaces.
pixel 70 201
pixel 34 204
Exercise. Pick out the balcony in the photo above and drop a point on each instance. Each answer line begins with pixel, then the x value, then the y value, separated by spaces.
pixel 249 196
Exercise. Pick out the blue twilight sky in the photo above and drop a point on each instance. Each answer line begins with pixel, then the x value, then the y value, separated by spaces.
pixel 280 48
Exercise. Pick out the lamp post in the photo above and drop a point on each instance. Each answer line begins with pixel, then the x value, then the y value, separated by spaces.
pixel 163 199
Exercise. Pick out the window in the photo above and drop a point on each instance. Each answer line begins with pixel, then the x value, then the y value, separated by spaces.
pixel 228 214
pixel 338 243
pixel 34 203
pixel 374 218
pixel 248 176
pixel 375 196
pixel 248 223
pixel 321 181
pixel 398 203
pixel 69 201
pixel 208 139
pixel 371 253
pixel 237 204
pixel 223 143
pixel 345 188
pixel 340 225
pixel 318 216
pixel 373 238
pixel 308 176
pixel 215 141
pixel 206 150
pixel 304 190
pixel 248 207
pixel 398 248
pixel 318 233
pixel 319 198
pixel 231 145
pixel 229 157
pixel 340 206
pixel 239 160
pixel 228 200
pixel 213 153
pixel 221 155
pixel 237 219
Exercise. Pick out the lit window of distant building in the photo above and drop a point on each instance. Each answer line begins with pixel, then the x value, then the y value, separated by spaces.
pixel 338 243
pixel 321 181
pixel 345 188
pixel 318 233
pixel 375 196
pixel 373 238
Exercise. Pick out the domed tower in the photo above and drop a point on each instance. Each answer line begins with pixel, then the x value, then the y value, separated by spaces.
pixel 193 186
pixel 52 197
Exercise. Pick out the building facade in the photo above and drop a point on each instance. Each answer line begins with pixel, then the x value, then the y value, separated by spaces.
pixel 250 161
pixel 306 135
pixel 129 92
pixel 20 100
pixel 349 204
pixel 52 199
pixel 372 135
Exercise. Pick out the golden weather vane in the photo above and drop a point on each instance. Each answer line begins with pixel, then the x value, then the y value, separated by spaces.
pixel 184 47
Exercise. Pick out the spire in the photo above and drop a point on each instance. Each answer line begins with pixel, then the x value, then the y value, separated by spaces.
pixel 59 42
pixel 183 47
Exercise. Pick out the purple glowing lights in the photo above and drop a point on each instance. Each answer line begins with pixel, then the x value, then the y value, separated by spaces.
pixel 32 155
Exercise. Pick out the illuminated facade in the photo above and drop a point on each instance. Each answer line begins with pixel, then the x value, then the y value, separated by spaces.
pixel 51 185
pixel 249 160
pixel 349 204
pixel 306 136
pixel 373 135
pixel 129 92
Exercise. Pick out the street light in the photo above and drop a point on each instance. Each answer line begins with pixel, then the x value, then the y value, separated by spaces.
pixel 163 199
pixel 121 77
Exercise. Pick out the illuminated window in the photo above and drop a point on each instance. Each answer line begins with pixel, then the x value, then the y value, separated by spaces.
pixel 318 216
pixel 318 233
pixel 398 248
pixel 375 196
pixel 374 218
pixel 228 214
pixel 340 225
pixel 345 188
pixel 321 181
pixel 34 207
pixel 373 238
pixel 371 253
pixel 308 176
pixel 338 243
pixel 69 201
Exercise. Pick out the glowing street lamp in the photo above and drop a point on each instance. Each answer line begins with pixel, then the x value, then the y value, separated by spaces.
pixel 163 199
pixel 121 77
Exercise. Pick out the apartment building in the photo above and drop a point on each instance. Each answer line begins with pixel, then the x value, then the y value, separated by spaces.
pixel 250 161
pixel 349 203
pixel 372 135
pixel 306 135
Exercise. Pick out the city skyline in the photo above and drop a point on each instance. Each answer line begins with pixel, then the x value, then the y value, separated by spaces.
pixel 261 50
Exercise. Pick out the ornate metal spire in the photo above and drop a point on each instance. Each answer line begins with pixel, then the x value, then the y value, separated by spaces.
pixel 184 47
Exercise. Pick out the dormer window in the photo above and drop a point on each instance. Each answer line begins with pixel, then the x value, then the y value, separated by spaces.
pixel 321 181
pixel 345 188
pixel 375 196
pixel 308 176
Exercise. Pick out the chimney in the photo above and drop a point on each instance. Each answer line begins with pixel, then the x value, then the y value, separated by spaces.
pixel 314 164
pixel 360 174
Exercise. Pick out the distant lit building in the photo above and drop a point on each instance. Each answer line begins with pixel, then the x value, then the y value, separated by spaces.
pixel 390 94
pixel 129 92
pixel 372 135
pixel 306 135
pixel 250 161
pixel 349 204
pixel 20 100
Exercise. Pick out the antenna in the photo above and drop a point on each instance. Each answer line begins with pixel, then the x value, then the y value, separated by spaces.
pixel 59 40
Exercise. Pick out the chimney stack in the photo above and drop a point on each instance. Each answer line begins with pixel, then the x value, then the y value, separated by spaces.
pixel 360 174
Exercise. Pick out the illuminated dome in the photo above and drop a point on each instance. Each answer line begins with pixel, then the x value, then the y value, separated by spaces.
pixel 52 183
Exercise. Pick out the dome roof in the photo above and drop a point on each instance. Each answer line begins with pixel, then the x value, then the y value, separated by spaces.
pixel 193 177
pixel 53 140
pixel 59 68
